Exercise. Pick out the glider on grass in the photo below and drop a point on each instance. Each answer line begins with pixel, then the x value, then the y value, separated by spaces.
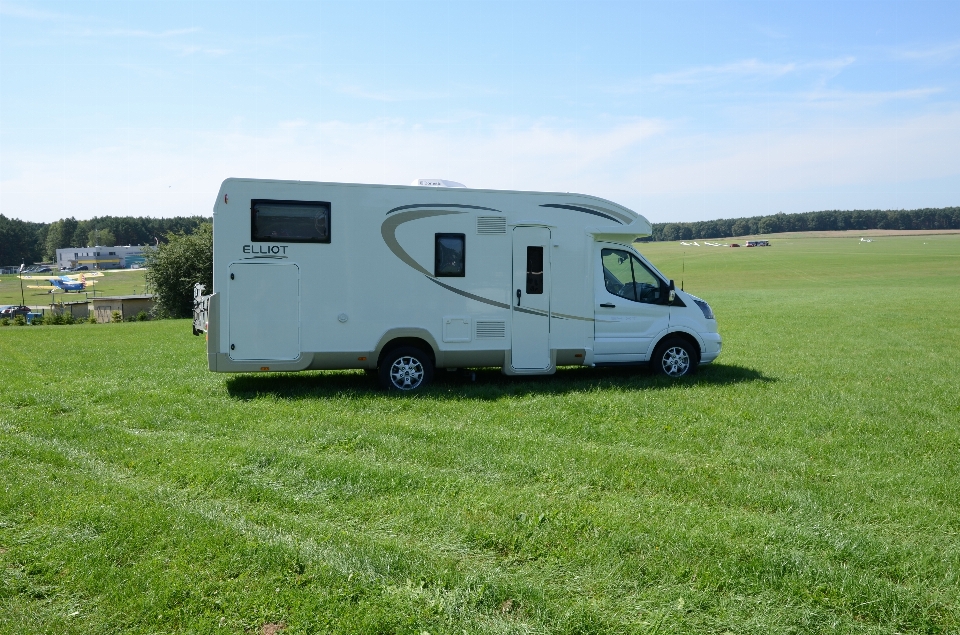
pixel 65 283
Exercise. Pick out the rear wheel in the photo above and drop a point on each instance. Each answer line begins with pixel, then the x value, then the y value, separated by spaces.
pixel 675 357
pixel 406 369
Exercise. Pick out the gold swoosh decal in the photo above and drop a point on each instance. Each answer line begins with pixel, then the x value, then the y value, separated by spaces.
pixel 389 232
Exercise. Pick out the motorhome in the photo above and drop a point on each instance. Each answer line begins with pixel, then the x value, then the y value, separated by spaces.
pixel 406 280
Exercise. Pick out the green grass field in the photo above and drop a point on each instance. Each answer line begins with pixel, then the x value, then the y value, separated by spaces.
pixel 111 283
pixel 807 482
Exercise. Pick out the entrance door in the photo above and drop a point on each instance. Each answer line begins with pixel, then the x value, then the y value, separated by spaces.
pixel 264 313
pixel 531 298
pixel 630 306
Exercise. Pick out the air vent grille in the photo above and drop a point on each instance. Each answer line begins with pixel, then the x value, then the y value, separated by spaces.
pixel 491 225
pixel 491 330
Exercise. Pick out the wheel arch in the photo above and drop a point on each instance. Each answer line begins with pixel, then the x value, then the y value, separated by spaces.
pixel 684 335
pixel 395 338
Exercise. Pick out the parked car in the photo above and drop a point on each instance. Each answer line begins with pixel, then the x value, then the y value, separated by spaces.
pixel 82 268
pixel 734 245
pixel 13 310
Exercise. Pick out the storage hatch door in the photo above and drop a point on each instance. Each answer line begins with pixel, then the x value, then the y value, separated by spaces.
pixel 264 311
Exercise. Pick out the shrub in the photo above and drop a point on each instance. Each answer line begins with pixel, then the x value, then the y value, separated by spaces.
pixel 91 319
pixel 176 266
pixel 20 320
pixel 37 321
pixel 117 317
pixel 68 318
pixel 142 316
pixel 5 321
pixel 56 318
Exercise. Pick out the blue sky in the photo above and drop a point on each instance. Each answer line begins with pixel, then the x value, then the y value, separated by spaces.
pixel 678 110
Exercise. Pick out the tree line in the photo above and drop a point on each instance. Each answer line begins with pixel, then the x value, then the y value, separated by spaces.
pixel 834 220
pixel 27 242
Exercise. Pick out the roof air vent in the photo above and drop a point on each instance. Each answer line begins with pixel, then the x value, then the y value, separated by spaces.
pixel 436 183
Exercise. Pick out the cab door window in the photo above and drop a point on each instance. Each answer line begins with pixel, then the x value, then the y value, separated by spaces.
pixel 625 276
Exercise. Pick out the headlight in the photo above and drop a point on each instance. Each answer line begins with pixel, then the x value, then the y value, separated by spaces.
pixel 707 311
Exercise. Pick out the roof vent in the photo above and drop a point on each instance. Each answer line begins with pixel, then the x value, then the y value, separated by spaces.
pixel 436 183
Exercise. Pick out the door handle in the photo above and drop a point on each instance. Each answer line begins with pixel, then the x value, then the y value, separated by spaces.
pixel 607 305
pixel 518 297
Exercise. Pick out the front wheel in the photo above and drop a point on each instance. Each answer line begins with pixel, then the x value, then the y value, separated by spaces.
pixel 406 369
pixel 674 357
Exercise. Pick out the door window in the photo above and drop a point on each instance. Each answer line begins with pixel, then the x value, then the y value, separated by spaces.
pixel 625 276
pixel 534 270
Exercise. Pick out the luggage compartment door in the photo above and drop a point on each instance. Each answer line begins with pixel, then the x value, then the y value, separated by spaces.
pixel 264 311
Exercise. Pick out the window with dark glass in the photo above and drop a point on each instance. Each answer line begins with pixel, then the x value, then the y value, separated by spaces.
pixel 290 221
pixel 449 254
pixel 625 276
pixel 534 270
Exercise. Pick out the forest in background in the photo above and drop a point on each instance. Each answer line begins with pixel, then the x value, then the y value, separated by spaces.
pixel 835 220
pixel 26 242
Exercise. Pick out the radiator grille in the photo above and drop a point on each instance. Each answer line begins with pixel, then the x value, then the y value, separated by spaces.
pixel 491 330
pixel 491 225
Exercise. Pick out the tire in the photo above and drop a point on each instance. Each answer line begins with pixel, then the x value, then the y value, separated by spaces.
pixel 406 369
pixel 675 357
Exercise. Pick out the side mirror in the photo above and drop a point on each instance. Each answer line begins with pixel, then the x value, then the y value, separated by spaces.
pixel 673 293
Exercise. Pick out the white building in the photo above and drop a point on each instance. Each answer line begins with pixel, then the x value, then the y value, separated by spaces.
pixel 120 257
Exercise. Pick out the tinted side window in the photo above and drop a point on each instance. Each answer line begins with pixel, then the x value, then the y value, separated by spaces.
pixel 449 256
pixel 290 221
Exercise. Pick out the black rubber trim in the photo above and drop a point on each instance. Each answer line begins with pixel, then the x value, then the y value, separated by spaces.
pixel 402 207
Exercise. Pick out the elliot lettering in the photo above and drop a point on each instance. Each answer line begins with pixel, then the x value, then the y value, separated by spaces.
pixel 265 249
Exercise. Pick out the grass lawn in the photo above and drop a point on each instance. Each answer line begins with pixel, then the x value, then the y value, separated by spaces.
pixel 807 482
pixel 117 282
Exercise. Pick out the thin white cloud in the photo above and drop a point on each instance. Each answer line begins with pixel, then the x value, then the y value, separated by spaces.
pixel 185 50
pixel 941 52
pixel 136 33
pixel 750 68
pixel 725 74
pixel 30 13
pixel 386 95
pixel 845 99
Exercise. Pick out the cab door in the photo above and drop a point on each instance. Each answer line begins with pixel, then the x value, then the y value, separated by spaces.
pixel 629 306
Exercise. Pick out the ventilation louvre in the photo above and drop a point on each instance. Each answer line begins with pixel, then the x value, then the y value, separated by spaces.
pixel 491 330
pixel 491 225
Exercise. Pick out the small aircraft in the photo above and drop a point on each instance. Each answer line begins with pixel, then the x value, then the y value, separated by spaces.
pixel 65 283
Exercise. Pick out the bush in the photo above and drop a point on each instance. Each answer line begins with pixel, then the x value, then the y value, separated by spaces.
pixel 176 266
pixel 68 318
pixel 20 320
pixel 37 321
pixel 116 317
pixel 91 319
pixel 142 316
pixel 5 321
pixel 55 318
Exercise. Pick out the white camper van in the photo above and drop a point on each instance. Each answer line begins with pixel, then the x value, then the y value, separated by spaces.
pixel 404 280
